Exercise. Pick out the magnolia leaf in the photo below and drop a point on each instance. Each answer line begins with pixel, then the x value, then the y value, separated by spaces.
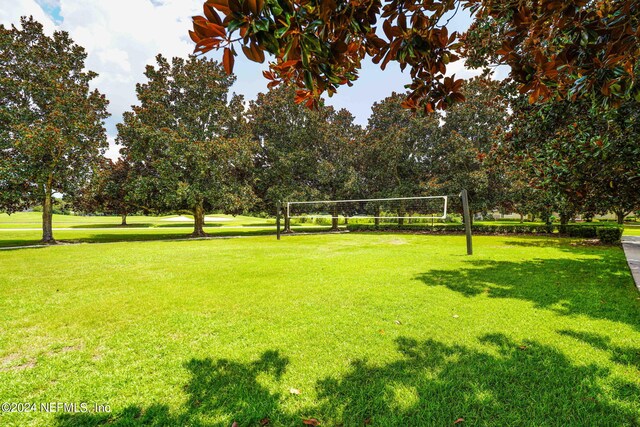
pixel 228 60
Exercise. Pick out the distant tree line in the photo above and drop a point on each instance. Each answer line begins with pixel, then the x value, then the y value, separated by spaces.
pixel 559 157
pixel 189 146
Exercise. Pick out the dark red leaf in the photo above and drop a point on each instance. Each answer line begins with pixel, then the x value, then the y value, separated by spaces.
pixel 228 60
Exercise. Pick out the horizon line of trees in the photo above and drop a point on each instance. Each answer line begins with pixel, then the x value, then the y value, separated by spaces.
pixel 564 158
pixel 189 146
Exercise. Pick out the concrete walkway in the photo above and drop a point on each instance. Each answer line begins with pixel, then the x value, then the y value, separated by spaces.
pixel 631 246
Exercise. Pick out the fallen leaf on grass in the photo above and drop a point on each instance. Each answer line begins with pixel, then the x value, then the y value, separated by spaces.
pixel 294 391
pixel 367 421
pixel 455 316
pixel 235 424
pixel 459 420
pixel 310 422
pixel 523 347
pixel 265 421
pixel 398 322
pixel 381 331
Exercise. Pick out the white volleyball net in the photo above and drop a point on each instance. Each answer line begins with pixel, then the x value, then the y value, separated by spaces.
pixel 409 209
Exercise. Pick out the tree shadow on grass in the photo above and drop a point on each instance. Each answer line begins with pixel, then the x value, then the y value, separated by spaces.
pixel 162 235
pixel 601 287
pixel 219 393
pixel 114 225
pixel 429 383
pixel 144 225
pixel 435 384
pixel 628 356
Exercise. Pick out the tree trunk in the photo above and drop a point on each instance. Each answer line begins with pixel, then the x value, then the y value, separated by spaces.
pixel 401 213
pixel 198 223
pixel 620 215
pixel 376 220
pixel 564 218
pixel 47 216
pixel 334 219
pixel 124 219
pixel 521 218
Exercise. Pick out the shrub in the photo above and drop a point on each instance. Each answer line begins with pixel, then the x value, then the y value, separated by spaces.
pixel 606 234
pixel 583 231
pixel 609 235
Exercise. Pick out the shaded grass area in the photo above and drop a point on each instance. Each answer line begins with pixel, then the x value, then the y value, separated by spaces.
pixel 376 329
pixel 18 238
pixel 23 229
pixel 34 220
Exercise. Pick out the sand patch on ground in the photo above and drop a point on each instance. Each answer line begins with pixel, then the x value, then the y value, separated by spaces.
pixel 10 363
pixel 216 219
pixel 180 218
pixel 183 218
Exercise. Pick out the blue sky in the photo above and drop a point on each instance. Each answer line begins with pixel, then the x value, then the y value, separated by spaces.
pixel 51 8
pixel 122 36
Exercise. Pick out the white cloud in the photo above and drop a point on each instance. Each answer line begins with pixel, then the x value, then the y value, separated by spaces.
pixel 113 152
pixel 122 36
pixel 11 12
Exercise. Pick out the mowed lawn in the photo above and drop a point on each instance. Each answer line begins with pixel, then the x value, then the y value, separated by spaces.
pixel 25 228
pixel 632 230
pixel 350 329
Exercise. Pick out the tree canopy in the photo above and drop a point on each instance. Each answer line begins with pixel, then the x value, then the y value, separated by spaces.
pixel 186 143
pixel 304 154
pixel 108 190
pixel 556 49
pixel 585 160
pixel 51 123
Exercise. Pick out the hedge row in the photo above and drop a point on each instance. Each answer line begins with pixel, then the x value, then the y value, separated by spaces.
pixel 605 232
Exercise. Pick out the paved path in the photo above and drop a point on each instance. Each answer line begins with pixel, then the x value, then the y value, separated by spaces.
pixel 631 245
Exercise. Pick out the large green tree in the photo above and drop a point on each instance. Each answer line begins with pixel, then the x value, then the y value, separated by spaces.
pixel 554 48
pixel 304 154
pixel 394 159
pixel 187 143
pixel 395 155
pixel 286 163
pixel 407 154
pixel 587 160
pixel 468 134
pixel 108 190
pixel 51 123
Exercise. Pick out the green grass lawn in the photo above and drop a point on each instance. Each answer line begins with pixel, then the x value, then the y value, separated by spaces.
pixel 24 228
pixel 375 329
pixel 631 230
pixel 34 220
